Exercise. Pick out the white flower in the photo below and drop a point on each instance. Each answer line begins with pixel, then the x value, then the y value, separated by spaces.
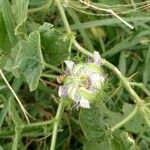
pixel 83 81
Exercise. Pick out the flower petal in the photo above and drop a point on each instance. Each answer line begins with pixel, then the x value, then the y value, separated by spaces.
pixel 72 92
pixel 70 64
pixel 97 58
pixel 95 81
pixel 95 77
pixel 63 91
pixel 84 103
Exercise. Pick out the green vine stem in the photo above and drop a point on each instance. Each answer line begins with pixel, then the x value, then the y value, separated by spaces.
pixel 56 124
pixel 63 15
pixel 142 87
pixel 125 120
pixel 53 68
pixel 26 128
pixel 51 76
pixel 125 82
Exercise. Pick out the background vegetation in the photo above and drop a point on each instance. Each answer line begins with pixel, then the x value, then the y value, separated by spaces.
pixel 36 36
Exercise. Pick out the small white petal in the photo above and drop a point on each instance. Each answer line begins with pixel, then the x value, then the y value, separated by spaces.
pixel 70 64
pixel 95 78
pixel 97 58
pixel 63 91
pixel 84 103
pixel 72 92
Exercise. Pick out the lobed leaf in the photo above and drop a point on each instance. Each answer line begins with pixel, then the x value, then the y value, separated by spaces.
pixel 119 141
pixel 26 59
pixel 96 121
pixel 55 44
pixel 136 124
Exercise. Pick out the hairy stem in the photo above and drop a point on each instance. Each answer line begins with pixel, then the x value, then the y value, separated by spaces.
pixel 130 116
pixel 142 87
pixel 56 124
pixel 62 13
pixel 51 76
pixel 53 68
pixel 125 82
pixel 27 128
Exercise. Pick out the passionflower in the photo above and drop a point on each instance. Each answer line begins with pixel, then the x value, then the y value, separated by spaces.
pixel 83 81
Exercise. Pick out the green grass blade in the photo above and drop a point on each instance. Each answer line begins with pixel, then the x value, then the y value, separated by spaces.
pixel 86 39
pixel 9 20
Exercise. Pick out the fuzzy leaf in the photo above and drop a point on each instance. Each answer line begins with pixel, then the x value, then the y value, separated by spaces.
pixel 55 44
pixel 119 141
pixel 26 59
pixel 95 122
pixel 136 124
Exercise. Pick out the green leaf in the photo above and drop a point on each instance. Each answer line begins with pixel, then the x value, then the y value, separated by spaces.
pixel 55 44
pixel 96 146
pixel 146 72
pixel 127 43
pixel 86 39
pixel 3 113
pixel 26 59
pixel 136 124
pixel 37 2
pixel 119 141
pixel 111 2
pixel 122 63
pixel 96 121
pixel 8 20
pixel 4 40
pixel 14 113
pixel 123 141
pixel 20 11
pixel 17 139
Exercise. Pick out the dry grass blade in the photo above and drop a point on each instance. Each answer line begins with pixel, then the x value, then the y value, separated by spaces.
pixel 109 11
pixel 26 114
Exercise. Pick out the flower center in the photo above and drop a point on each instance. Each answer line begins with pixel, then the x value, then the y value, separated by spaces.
pixel 85 82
